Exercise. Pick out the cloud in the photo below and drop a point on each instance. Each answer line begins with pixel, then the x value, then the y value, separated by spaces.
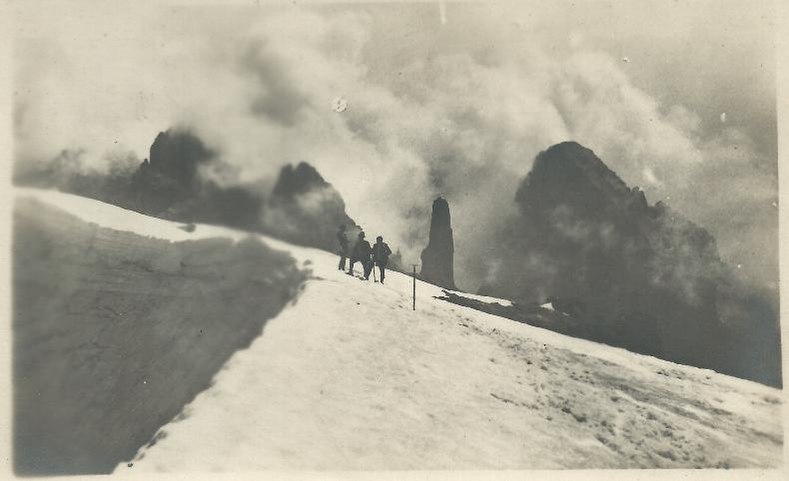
pixel 430 112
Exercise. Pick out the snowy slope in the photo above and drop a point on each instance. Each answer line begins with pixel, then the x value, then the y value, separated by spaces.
pixel 115 332
pixel 351 378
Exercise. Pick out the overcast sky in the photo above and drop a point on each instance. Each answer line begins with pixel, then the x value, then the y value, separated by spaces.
pixel 454 100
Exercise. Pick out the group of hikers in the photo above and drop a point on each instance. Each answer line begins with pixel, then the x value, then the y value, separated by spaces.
pixel 369 256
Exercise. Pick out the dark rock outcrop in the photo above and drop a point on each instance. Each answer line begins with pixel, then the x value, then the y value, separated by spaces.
pixel 306 210
pixel 170 186
pixel 171 175
pixel 640 276
pixel 439 256
pixel 297 181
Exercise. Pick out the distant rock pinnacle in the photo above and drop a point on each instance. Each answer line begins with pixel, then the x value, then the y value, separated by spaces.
pixel 438 256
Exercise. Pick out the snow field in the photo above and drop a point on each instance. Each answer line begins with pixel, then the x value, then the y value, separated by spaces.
pixel 349 377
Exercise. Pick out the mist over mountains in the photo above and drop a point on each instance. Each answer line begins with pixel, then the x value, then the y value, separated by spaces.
pixel 457 109
pixel 637 275
pixel 179 183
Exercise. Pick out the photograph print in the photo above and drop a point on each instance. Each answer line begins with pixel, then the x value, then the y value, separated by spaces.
pixel 262 236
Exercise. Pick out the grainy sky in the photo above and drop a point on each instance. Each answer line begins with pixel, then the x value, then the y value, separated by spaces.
pixel 455 101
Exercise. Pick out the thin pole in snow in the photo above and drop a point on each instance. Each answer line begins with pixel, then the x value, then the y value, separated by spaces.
pixel 414 295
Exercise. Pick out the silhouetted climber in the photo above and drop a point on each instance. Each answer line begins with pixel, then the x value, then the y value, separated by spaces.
pixel 361 253
pixel 381 253
pixel 343 240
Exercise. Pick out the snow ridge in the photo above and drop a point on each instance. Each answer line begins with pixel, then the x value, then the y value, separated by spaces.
pixel 351 378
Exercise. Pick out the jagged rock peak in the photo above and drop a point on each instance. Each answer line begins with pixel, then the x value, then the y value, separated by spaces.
pixel 571 162
pixel 641 277
pixel 297 180
pixel 177 154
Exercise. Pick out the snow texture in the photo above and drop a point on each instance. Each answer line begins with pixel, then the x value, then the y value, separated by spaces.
pixel 351 378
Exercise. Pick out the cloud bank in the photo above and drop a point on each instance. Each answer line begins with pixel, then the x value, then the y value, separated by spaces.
pixel 458 108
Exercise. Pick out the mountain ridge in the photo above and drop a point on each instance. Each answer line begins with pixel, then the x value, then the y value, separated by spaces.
pixel 644 277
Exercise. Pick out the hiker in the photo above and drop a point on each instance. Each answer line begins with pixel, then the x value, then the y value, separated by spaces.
pixel 361 253
pixel 381 253
pixel 343 240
